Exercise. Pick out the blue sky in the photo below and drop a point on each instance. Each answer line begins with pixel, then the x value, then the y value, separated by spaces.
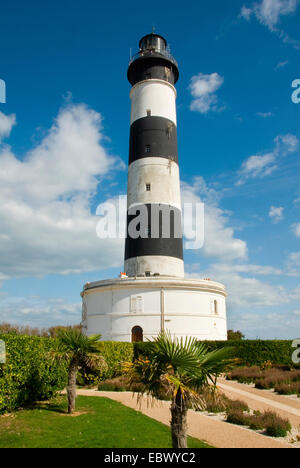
pixel 64 133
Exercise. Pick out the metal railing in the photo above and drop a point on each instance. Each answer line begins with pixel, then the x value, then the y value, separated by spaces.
pixel 149 52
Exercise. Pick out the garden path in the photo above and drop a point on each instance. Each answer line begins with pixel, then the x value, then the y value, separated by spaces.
pixel 208 429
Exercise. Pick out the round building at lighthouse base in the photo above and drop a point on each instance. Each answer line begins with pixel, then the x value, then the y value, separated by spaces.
pixel 139 308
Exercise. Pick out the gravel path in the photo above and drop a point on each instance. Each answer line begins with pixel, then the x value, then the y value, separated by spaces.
pixel 216 433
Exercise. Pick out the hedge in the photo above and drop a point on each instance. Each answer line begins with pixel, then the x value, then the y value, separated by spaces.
pixel 28 376
pixel 114 353
pixel 249 352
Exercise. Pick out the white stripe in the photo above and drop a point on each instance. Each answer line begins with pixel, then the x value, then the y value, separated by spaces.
pixel 163 176
pixel 166 266
pixel 156 96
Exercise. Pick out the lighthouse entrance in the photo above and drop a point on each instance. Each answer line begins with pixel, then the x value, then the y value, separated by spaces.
pixel 136 334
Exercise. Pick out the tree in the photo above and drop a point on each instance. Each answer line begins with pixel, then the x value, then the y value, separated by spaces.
pixel 78 349
pixel 181 369
pixel 54 331
pixel 235 335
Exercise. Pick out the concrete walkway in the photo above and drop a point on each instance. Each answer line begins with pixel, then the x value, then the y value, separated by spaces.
pixel 216 433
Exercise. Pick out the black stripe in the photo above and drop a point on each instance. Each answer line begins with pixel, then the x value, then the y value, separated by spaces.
pixel 170 246
pixel 154 66
pixel 153 247
pixel 153 136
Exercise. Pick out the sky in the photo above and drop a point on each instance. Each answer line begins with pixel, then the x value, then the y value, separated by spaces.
pixel 64 138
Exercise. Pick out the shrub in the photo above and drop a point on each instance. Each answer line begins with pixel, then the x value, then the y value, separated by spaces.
pixel 28 375
pixel 274 377
pixel 216 402
pixel 236 416
pixel 118 384
pixel 292 388
pixel 245 374
pixel 275 425
pixel 212 401
pixel 115 353
pixel 237 405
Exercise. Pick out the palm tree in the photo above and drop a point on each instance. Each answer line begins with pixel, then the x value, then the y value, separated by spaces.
pixel 180 369
pixel 79 350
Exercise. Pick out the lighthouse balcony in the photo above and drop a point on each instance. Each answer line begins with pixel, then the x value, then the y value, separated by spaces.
pixel 155 53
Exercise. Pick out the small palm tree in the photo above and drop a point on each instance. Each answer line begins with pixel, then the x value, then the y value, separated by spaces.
pixel 180 369
pixel 79 350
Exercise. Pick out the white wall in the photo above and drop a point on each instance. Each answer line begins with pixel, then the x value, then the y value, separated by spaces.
pixel 156 264
pixel 188 312
pixel 162 174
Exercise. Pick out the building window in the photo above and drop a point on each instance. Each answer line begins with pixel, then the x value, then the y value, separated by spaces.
pixel 148 112
pixel 148 187
pixel 148 149
pixel 136 305
pixel 216 311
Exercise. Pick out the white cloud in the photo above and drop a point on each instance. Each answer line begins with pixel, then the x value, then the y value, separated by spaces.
pixel 203 88
pixel 292 266
pixel 296 229
pixel 263 165
pixel 39 312
pixel 246 13
pixel 46 222
pixel 281 65
pixel 276 214
pixel 271 325
pixel 269 13
pixel 245 292
pixel 263 270
pixel 219 240
pixel 6 124
pixel 296 291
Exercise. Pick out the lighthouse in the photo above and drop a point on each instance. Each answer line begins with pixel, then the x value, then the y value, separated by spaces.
pixel 153 295
pixel 153 171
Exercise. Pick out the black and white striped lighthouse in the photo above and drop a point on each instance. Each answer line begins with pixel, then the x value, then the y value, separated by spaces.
pixel 154 295
pixel 153 172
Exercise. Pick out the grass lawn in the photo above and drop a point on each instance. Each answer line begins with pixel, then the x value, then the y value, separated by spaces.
pixel 98 422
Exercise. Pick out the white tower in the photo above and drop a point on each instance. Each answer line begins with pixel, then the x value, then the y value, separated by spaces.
pixel 154 295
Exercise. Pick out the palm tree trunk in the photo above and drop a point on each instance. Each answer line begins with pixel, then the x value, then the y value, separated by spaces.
pixel 71 388
pixel 179 421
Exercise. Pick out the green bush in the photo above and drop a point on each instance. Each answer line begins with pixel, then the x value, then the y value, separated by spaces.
pixel 275 425
pixel 247 352
pixel 258 352
pixel 28 375
pixel 115 353
pixel 236 416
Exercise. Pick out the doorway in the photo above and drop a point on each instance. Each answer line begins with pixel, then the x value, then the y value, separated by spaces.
pixel 136 334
